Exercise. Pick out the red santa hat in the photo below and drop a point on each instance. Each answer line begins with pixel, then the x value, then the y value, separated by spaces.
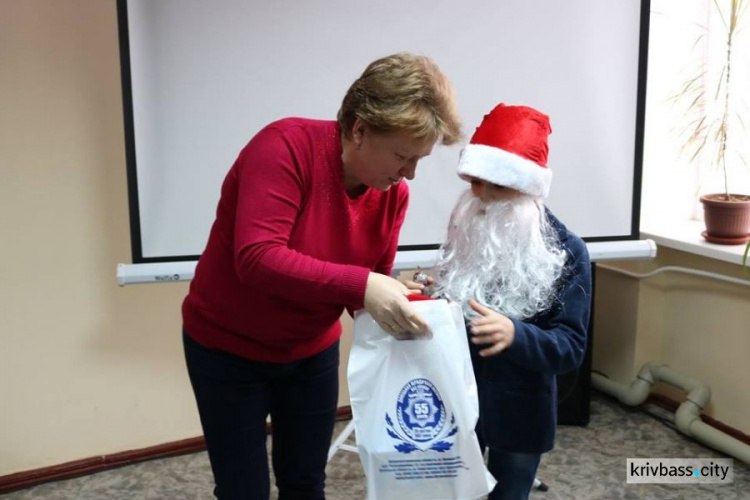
pixel 510 149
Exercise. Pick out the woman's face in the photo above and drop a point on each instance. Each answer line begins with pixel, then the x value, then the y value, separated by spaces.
pixel 382 160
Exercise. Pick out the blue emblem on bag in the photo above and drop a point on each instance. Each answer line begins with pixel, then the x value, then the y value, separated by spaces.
pixel 422 419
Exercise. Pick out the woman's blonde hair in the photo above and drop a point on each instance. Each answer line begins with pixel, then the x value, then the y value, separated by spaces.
pixel 403 92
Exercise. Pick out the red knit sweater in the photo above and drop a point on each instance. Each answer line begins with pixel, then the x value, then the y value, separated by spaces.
pixel 289 249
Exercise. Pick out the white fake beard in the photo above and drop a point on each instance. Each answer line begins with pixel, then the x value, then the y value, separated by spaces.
pixel 504 254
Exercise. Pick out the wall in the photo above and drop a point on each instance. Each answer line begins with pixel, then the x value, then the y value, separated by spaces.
pixel 696 325
pixel 87 368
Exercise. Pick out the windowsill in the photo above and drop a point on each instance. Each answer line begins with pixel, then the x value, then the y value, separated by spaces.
pixel 686 236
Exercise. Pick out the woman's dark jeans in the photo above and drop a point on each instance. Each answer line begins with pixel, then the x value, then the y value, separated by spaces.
pixel 234 397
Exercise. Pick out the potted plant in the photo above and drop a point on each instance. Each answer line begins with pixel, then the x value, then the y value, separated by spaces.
pixel 717 127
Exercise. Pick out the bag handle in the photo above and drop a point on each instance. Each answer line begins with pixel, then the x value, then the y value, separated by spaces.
pixel 415 297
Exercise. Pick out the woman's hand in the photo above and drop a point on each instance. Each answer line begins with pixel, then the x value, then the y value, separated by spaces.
pixel 420 283
pixel 418 287
pixel 385 300
pixel 492 328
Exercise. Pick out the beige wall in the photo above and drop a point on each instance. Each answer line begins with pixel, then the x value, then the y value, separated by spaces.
pixel 697 326
pixel 88 368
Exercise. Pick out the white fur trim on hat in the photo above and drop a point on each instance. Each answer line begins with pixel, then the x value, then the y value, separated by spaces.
pixel 504 169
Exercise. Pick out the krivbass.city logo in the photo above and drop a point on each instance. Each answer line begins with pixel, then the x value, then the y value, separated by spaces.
pixel 422 419
pixel 680 470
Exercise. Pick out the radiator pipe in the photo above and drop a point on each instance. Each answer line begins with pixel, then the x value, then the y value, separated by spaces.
pixel 687 417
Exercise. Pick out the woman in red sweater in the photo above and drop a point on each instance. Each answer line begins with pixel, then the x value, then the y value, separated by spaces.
pixel 307 224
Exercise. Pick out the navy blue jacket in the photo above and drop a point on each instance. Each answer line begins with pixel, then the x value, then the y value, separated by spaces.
pixel 517 388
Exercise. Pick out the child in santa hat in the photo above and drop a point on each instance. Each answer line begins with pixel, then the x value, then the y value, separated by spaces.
pixel 524 282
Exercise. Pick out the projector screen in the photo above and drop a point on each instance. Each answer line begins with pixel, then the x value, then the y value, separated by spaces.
pixel 201 78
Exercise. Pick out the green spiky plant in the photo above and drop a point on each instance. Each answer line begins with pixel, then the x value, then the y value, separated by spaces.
pixel 706 129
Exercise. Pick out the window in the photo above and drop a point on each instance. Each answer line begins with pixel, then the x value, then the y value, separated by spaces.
pixel 687 38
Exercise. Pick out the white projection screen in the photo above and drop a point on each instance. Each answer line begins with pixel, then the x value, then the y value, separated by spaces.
pixel 201 78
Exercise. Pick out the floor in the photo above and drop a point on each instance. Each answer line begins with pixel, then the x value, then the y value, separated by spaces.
pixel 587 463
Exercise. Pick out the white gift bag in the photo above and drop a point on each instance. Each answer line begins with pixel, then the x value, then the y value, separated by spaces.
pixel 415 406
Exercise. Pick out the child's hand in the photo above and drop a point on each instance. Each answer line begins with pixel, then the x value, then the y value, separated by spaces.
pixel 492 328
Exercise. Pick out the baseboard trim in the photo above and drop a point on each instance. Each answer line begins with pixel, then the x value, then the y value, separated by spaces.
pixel 91 465
pixel 76 468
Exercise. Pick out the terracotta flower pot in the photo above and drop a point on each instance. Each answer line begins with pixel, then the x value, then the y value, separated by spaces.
pixel 727 221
